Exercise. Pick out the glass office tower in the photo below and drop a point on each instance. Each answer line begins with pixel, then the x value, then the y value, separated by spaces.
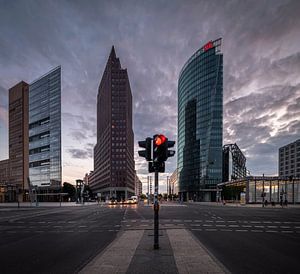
pixel 45 130
pixel 200 123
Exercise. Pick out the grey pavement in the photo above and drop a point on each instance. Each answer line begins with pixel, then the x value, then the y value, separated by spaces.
pixel 132 252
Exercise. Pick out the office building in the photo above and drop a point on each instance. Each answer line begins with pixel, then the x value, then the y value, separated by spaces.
pixel 18 136
pixel 45 130
pixel 200 123
pixel 114 174
pixel 234 163
pixel 289 160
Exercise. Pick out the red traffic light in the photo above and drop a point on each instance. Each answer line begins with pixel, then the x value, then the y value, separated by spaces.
pixel 160 139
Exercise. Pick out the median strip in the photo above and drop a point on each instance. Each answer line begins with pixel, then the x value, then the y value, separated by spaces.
pixel 190 256
pixel 117 256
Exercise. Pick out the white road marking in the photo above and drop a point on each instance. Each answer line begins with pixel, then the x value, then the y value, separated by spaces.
pixel 114 259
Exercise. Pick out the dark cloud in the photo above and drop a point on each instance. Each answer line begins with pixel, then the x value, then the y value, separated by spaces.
pixel 153 40
pixel 81 153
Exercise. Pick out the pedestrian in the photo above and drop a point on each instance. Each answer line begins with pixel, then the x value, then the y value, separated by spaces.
pixel 285 202
pixel 273 203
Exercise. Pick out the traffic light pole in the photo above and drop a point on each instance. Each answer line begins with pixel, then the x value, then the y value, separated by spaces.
pixel 156 208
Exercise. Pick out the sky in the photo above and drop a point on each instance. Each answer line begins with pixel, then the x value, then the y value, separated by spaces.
pixel 154 39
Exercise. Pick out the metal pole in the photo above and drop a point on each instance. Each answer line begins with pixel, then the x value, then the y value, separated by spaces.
pixel 148 190
pixel 168 187
pixel 156 244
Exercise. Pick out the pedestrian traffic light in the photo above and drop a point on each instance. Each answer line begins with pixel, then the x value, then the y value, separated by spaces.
pixel 160 148
pixel 147 145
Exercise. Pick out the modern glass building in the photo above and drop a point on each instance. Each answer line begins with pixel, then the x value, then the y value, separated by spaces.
pixel 258 189
pixel 234 163
pixel 45 130
pixel 200 111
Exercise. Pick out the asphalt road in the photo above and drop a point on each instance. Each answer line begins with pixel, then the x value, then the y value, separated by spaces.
pixel 55 240
pixel 63 240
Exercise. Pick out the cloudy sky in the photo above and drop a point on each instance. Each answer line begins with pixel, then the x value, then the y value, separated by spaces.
pixel 261 47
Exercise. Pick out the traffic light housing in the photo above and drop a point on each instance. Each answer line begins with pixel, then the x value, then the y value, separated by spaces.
pixel 160 167
pixel 161 146
pixel 147 152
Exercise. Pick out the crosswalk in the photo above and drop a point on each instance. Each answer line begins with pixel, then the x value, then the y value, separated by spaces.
pixel 218 225
pixel 95 226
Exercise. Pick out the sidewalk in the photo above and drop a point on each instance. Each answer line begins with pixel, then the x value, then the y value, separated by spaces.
pixel 132 252
pixel 44 204
pixel 240 205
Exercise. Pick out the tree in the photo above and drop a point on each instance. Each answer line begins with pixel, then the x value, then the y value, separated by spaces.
pixel 70 189
pixel 143 197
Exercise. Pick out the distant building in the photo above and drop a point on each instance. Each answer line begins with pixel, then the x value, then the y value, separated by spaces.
pixel 234 163
pixel 45 130
pixel 174 182
pixel 138 186
pixel 88 178
pixel 114 174
pixel 200 123
pixel 4 172
pixel 289 160
pixel 18 135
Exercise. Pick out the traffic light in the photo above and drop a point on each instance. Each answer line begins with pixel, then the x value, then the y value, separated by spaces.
pixel 171 153
pixel 160 148
pixel 147 145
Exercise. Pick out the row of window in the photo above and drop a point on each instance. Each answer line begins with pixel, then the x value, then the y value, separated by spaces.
pixel 40 163
pixel 39 136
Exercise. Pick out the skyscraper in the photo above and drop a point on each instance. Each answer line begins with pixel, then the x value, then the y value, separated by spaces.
pixel 18 135
pixel 114 174
pixel 200 111
pixel 45 130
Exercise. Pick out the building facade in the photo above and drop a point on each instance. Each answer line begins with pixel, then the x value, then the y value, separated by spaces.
pixel 45 130
pixel 138 186
pixel 258 189
pixel 18 135
pixel 174 182
pixel 114 174
pixel 289 160
pixel 4 171
pixel 200 123
pixel 234 163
